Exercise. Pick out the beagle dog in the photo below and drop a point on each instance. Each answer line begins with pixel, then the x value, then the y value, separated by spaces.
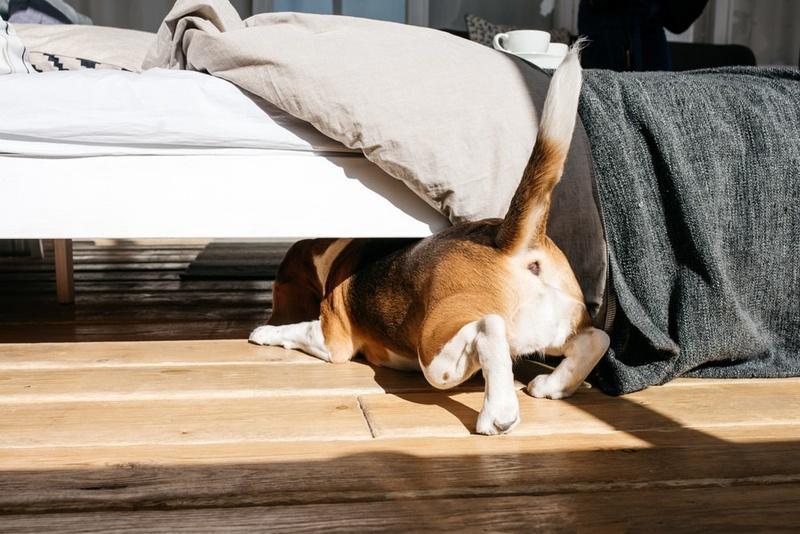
pixel 472 297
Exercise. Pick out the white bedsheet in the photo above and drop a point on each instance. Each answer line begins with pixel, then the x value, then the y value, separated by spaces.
pixel 107 112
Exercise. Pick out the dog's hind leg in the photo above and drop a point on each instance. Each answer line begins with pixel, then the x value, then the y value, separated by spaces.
pixel 581 354
pixel 481 344
pixel 306 336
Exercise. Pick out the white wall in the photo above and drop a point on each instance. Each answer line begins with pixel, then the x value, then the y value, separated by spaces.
pixel 148 14
pixel 124 14
pixel 771 28
pixel 136 14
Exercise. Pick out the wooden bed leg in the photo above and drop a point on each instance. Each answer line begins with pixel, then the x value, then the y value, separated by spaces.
pixel 65 283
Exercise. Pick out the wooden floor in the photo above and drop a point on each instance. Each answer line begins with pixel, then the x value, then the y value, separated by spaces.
pixel 126 291
pixel 197 434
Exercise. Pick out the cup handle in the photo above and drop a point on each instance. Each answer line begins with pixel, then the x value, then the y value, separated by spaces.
pixel 497 44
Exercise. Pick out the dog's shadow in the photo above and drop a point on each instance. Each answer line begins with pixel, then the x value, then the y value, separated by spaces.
pixel 411 386
pixel 619 413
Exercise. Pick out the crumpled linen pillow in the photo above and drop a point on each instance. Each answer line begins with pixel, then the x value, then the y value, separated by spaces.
pixel 453 120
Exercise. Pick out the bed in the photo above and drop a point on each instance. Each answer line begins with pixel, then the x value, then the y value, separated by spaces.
pixel 694 173
pixel 178 154
pixel 94 151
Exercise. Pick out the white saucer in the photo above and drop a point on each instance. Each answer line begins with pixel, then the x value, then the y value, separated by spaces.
pixel 543 61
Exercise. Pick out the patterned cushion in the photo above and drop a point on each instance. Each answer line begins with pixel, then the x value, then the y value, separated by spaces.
pixel 482 31
pixel 73 46
pixel 43 62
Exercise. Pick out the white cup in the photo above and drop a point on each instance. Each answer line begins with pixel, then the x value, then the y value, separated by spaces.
pixel 522 41
pixel 557 49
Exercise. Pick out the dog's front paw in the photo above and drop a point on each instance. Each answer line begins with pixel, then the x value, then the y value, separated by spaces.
pixel 545 386
pixel 266 335
pixel 498 417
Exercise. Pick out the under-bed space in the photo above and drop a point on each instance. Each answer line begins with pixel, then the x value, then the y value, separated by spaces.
pixel 177 154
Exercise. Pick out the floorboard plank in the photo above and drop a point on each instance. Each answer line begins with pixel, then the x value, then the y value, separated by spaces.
pixel 734 509
pixel 144 353
pixel 730 403
pixel 144 244
pixel 301 472
pixel 93 316
pixel 13 305
pixel 71 424
pixel 46 458
pixel 150 328
pixel 135 286
pixel 246 380
pixel 86 267
pixel 703 382
pixel 89 276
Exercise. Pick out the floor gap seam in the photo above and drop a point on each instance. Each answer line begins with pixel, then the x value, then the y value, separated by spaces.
pixel 365 416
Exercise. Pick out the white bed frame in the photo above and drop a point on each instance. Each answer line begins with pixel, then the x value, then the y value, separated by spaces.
pixel 231 196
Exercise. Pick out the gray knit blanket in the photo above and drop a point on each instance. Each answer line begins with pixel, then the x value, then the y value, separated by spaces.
pixel 698 176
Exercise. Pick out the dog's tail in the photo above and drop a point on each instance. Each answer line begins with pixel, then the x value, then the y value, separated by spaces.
pixel 526 221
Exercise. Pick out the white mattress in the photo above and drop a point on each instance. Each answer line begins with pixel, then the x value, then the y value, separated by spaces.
pixel 179 154
pixel 262 194
pixel 107 112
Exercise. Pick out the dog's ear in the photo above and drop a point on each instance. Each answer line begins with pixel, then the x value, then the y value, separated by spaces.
pixel 525 223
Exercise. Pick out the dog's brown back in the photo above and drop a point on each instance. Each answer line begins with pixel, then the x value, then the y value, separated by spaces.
pixel 312 268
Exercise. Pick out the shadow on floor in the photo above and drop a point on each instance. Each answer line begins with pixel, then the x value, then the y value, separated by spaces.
pixel 694 483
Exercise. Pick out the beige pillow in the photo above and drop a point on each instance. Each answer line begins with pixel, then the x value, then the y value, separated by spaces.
pixel 452 119
pixel 113 47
